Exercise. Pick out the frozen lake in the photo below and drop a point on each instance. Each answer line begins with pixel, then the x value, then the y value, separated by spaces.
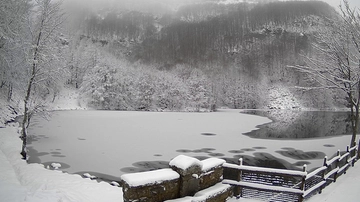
pixel 111 143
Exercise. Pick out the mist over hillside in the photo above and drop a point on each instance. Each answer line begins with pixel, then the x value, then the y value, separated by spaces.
pixel 188 55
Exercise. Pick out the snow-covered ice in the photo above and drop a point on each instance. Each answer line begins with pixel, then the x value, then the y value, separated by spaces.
pixel 114 143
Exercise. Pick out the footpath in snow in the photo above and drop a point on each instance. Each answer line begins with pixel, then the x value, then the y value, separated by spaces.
pixel 20 181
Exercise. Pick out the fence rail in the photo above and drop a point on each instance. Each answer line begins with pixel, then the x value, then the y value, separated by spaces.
pixel 288 185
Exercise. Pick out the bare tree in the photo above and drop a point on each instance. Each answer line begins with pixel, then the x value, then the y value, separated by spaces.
pixel 44 23
pixel 337 61
pixel 12 20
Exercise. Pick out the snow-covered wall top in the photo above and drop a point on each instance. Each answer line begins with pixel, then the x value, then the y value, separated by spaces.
pixel 185 162
pixel 211 163
pixel 151 177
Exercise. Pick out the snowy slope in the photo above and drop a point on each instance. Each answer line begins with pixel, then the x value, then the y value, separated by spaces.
pixel 20 181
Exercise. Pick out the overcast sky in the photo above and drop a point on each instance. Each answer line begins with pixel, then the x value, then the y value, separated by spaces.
pixel 336 3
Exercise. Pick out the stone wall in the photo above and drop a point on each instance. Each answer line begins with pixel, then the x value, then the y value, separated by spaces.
pixel 212 172
pixel 152 186
pixel 152 192
pixel 188 177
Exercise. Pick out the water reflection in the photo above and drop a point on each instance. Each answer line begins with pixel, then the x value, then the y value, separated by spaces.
pixel 301 124
pixel 145 166
pixel 262 159
pixel 301 155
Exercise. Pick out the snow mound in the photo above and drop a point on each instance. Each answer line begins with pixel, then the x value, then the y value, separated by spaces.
pixel 88 175
pixel 56 165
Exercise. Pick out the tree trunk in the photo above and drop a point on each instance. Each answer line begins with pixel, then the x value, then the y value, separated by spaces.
pixel 26 118
pixel 26 113
pixel 10 92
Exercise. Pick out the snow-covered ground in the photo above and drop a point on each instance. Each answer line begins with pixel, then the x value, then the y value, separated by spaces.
pixel 20 181
pixel 68 99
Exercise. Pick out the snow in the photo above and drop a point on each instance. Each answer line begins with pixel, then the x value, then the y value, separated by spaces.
pixel 210 163
pixel 113 183
pixel 68 99
pixel 185 162
pixel 263 186
pixel 270 170
pixel 20 181
pixel 56 165
pixel 88 175
pixel 229 2
pixel 219 188
pixel 184 199
pixel 202 195
pixel 280 97
pixel 126 138
pixel 346 188
pixel 150 177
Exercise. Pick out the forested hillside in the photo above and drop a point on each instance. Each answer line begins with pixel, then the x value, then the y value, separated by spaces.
pixel 188 57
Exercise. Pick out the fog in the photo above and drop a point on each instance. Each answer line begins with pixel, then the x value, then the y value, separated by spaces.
pixel 142 5
pixel 165 5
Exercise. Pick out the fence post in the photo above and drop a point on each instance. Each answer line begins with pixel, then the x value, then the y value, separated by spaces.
pixel 337 165
pixel 353 154
pixel 238 189
pixel 302 187
pixel 358 150
pixel 323 174
pixel 347 157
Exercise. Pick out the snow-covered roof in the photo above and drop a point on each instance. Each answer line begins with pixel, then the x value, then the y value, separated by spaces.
pixel 150 177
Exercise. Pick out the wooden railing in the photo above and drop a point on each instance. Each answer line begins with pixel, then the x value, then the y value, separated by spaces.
pixel 287 185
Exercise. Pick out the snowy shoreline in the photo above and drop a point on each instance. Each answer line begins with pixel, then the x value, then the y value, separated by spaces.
pixel 20 181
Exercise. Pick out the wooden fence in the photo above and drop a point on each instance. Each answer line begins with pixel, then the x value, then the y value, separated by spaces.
pixel 287 185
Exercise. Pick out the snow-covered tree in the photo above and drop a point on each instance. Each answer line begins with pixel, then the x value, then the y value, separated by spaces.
pixel 338 61
pixel 41 55
pixel 12 22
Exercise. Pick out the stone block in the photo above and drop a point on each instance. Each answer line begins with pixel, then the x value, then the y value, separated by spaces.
pixel 190 170
pixel 212 172
pixel 152 186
